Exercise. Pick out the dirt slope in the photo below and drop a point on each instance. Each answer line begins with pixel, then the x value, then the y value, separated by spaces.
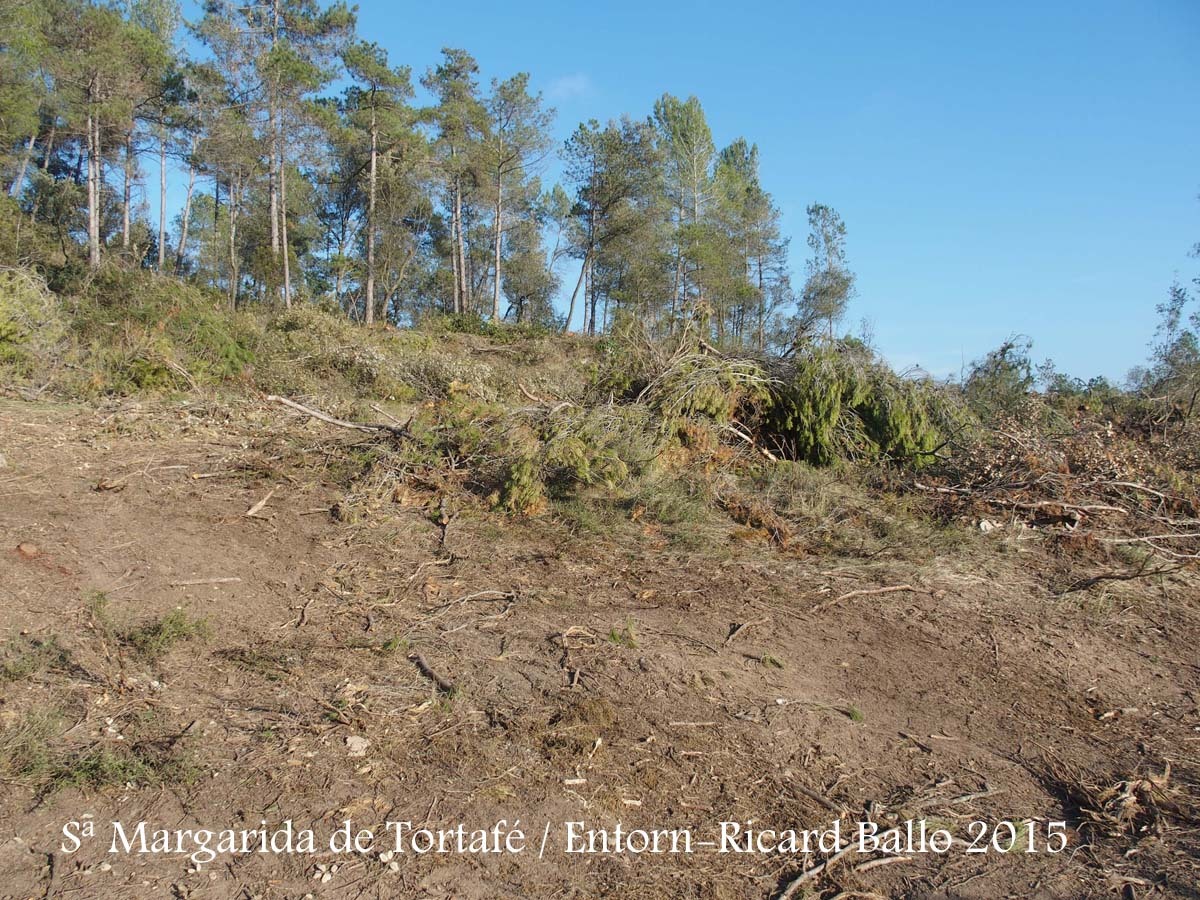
pixel 589 679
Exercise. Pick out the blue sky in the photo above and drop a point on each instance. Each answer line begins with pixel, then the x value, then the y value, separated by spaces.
pixel 1002 168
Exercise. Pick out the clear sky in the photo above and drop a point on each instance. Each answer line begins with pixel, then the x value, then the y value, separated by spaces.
pixel 1015 167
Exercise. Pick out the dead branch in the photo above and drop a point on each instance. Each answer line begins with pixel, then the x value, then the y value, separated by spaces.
pixel 444 685
pixel 1142 572
pixel 1017 504
pixel 369 427
pixel 739 628
pixel 258 507
pixel 750 440
pixel 863 592
pixel 533 397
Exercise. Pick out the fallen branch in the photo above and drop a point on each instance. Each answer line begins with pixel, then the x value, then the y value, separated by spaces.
pixel 864 592
pixel 750 440
pixel 1084 583
pixel 524 390
pixel 369 427
pixel 444 685
pixel 739 628
pixel 197 581
pixel 792 888
pixel 1017 504
pixel 258 507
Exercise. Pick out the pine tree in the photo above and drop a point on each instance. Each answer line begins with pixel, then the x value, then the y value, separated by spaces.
pixel 460 120
pixel 515 143
pixel 377 105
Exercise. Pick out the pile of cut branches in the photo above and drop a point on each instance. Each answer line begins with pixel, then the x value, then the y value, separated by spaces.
pixel 1088 484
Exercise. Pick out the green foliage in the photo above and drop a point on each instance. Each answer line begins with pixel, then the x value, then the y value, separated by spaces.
pixel 152 639
pixel 139 332
pixel 30 750
pixel 605 446
pixel 835 406
pixel 25 745
pixel 32 327
pixel 1001 381
pixel 625 636
pixel 307 350
pixel 701 385
pixel 24 657
pixel 474 323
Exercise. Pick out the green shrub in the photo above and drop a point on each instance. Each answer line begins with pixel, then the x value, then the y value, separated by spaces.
pixel 307 350
pixel 701 385
pixel 152 639
pixel 1001 381
pixel 32 326
pixel 136 331
pixel 474 323
pixel 835 406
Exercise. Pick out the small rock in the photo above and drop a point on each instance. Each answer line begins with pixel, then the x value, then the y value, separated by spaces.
pixel 28 550
pixel 987 526
pixel 356 745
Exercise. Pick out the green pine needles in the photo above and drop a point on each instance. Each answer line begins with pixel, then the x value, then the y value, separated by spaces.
pixel 834 405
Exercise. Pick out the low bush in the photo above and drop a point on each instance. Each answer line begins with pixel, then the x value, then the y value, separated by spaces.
pixel 134 331
pixel 33 328
pixel 829 406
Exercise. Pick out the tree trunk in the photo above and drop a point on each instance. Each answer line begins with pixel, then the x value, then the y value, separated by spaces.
pixel 678 283
pixel 462 252
pixel 15 189
pixel 187 215
pixel 590 293
pixel 371 181
pixel 273 139
pixel 162 201
pixel 762 309
pixel 234 200
pixel 454 261
pixel 49 147
pixel 499 226
pixel 272 184
pixel 93 189
pixel 127 194
pixel 340 277
pixel 283 238
pixel 575 293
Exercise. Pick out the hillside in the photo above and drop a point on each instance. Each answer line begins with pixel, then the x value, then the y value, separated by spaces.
pixel 564 579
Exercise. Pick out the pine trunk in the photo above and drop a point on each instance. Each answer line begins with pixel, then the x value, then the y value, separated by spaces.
pixel 187 217
pixel 162 202
pixel 283 237
pixel 575 293
pixel 15 188
pixel 234 278
pixel 499 226
pixel 461 249
pixel 127 193
pixel 273 139
pixel 93 187
pixel 371 186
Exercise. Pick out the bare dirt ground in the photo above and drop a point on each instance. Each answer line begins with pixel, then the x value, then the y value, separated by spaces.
pixel 583 678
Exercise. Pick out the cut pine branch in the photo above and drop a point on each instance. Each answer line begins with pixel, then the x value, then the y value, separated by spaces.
pixel 369 427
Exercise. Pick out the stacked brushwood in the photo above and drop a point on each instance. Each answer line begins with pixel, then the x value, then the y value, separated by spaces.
pixel 1093 485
